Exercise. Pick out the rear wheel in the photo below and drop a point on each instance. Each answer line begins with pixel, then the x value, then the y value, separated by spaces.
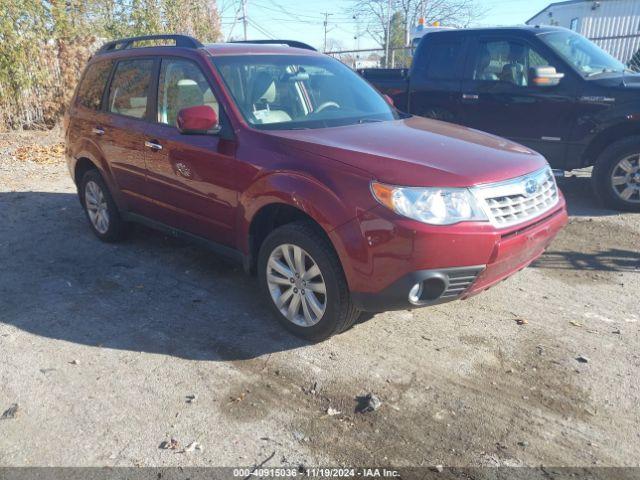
pixel 301 278
pixel 102 212
pixel 616 175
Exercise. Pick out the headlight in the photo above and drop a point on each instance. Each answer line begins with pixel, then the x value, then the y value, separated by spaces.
pixel 436 206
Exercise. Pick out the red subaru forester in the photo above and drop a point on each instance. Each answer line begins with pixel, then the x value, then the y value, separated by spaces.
pixel 287 161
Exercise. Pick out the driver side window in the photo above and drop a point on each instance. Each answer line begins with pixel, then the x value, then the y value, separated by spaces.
pixel 182 84
pixel 506 61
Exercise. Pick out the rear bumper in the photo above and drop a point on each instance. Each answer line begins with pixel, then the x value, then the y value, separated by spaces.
pixel 386 257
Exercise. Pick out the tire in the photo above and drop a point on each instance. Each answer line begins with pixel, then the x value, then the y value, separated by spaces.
pixel 608 166
pixel 339 313
pixel 105 220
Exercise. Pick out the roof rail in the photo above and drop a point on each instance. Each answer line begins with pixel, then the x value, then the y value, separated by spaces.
pixel 289 43
pixel 181 41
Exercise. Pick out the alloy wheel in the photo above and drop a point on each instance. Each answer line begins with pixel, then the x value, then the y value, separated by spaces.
pixel 625 178
pixel 97 207
pixel 296 285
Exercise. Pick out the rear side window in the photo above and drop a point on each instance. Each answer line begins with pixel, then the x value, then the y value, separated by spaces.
pixel 93 83
pixel 129 90
pixel 443 61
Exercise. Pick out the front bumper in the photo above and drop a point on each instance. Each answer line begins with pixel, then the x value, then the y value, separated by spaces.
pixel 444 285
pixel 384 257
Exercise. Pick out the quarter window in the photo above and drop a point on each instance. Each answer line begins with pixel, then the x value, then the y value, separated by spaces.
pixel 129 88
pixel 93 84
pixel 182 84
pixel 506 61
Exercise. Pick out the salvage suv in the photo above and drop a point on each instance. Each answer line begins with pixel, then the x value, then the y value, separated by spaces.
pixel 287 161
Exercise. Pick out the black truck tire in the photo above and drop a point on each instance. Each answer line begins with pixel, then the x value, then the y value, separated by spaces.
pixel 616 175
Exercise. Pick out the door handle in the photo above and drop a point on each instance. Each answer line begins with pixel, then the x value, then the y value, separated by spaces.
pixel 470 96
pixel 97 131
pixel 153 145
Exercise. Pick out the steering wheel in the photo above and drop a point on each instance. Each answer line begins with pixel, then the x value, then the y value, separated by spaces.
pixel 325 105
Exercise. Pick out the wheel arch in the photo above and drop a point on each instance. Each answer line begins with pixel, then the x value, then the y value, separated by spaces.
pixel 608 136
pixel 271 216
pixel 82 166
pixel 87 159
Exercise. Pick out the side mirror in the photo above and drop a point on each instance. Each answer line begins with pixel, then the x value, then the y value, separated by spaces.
pixel 198 120
pixel 545 76
pixel 388 99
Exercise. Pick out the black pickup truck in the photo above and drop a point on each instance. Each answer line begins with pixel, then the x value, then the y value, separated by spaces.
pixel 545 87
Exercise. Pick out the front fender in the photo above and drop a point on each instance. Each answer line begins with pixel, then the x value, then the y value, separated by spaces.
pixel 329 207
pixel 607 126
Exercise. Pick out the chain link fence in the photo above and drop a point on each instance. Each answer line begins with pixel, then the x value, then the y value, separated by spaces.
pixel 399 57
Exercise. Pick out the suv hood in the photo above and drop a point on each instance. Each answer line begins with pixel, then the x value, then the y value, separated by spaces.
pixel 418 152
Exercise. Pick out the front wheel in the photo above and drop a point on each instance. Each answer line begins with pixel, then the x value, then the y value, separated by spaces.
pixel 302 279
pixel 616 175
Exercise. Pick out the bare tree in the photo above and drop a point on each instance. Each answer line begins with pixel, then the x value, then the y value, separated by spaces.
pixel 455 13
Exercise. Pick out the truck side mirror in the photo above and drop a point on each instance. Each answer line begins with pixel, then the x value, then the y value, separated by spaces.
pixel 545 76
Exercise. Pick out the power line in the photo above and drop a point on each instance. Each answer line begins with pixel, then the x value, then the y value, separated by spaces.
pixel 261 29
pixel 235 19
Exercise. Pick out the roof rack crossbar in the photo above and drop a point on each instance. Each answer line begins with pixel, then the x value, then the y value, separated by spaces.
pixel 184 41
pixel 289 43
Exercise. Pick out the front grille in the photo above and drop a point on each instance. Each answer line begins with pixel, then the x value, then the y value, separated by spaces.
pixel 520 199
pixel 460 279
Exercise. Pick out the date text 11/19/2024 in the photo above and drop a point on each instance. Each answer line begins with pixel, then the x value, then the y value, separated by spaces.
pixel 316 472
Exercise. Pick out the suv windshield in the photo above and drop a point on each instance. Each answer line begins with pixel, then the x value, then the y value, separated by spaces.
pixel 291 92
pixel 585 56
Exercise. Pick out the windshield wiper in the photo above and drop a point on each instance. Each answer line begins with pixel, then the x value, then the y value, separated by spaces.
pixel 604 70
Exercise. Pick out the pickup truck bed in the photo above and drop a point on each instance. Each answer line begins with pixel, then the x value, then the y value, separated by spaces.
pixel 390 81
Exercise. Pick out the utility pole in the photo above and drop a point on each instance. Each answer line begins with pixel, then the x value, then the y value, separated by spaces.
pixel 356 40
pixel 326 25
pixel 244 17
pixel 386 56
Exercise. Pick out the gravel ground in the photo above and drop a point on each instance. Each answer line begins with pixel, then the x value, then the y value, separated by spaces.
pixel 104 347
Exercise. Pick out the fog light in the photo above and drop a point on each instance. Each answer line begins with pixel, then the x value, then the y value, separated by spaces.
pixel 415 293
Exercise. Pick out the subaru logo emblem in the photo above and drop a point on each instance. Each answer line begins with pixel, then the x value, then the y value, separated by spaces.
pixel 531 187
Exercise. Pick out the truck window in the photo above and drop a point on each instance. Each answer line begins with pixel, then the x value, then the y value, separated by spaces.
pixel 442 62
pixel 93 84
pixel 506 61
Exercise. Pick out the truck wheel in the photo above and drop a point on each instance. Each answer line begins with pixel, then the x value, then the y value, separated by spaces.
pixel 302 279
pixel 616 175
pixel 102 212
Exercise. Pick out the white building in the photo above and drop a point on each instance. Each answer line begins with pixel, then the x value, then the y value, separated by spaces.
pixel 613 24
